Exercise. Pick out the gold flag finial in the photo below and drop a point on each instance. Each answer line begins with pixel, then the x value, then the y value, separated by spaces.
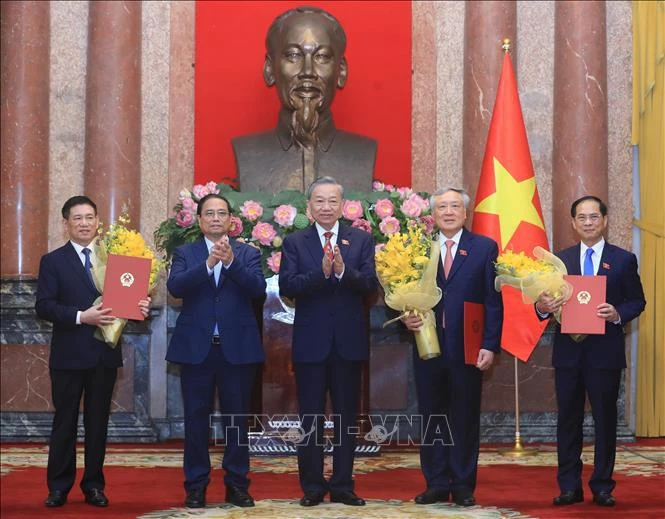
pixel 506 45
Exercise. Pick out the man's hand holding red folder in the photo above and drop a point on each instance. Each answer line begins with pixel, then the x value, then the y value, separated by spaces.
pixel 548 304
pixel 98 316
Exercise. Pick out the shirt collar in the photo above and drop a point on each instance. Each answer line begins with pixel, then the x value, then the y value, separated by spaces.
pixel 456 238
pixel 325 132
pixel 320 230
pixel 597 248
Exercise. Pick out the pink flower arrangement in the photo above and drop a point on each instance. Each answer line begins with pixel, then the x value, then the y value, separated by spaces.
pixel 428 222
pixel 422 202
pixel 200 190
pixel 384 208
pixel 411 208
pixel 404 192
pixel 275 261
pixel 251 210
pixel 389 225
pixel 188 204
pixel 184 218
pixel 264 233
pixel 284 215
pixel 235 227
pixel 377 185
pixel 352 209
pixel 212 187
pixel 363 224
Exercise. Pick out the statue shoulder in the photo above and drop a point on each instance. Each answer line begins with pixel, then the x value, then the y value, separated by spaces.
pixel 355 139
pixel 252 140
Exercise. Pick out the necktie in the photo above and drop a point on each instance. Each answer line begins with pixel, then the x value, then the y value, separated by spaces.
pixel 588 263
pixel 327 246
pixel 88 264
pixel 448 260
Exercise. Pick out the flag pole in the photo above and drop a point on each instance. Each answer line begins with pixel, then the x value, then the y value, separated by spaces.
pixel 517 450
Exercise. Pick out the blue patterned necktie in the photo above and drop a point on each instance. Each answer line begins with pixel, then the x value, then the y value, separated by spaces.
pixel 88 264
pixel 588 264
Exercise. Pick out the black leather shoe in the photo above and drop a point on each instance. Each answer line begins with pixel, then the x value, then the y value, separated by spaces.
pixel 347 498
pixel 95 497
pixel 604 499
pixel 432 495
pixel 56 498
pixel 311 499
pixel 464 499
pixel 196 498
pixel 238 497
pixel 569 497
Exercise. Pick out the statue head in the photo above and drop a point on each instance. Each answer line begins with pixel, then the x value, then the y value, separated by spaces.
pixel 305 60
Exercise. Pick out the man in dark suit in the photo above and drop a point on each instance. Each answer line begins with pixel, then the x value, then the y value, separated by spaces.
pixel 217 343
pixel 328 268
pixel 449 390
pixel 79 364
pixel 592 366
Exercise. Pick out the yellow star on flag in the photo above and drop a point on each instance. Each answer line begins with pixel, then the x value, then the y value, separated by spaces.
pixel 512 201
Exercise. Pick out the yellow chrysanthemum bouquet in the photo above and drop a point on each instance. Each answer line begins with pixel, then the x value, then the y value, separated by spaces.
pixel 119 239
pixel 532 276
pixel 406 268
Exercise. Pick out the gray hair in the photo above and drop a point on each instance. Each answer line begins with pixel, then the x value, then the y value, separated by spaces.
pixel 277 26
pixel 465 196
pixel 323 181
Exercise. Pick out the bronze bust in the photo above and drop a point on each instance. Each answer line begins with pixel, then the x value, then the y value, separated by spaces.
pixel 305 60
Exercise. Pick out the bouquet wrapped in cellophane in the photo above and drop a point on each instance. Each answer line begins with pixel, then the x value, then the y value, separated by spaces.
pixel 118 239
pixel 407 268
pixel 532 277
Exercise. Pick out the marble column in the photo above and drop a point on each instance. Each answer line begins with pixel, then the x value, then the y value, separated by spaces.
pixel 113 109
pixel 25 137
pixel 486 24
pixel 580 111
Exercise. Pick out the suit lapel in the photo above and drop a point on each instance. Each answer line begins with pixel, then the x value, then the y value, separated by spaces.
pixel 201 254
pixel 313 244
pixel 606 260
pixel 77 266
pixel 574 262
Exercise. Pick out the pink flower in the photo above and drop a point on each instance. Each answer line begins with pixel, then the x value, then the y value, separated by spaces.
pixel 284 215
pixel 384 208
pixel 428 222
pixel 199 191
pixel 390 187
pixel 422 202
pixel 389 225
pixel 235 227
pixel 352 209
pixel 184 219
pixel 378 186
pixel 212 187
pixel 189 205
pixel 184 193
pixel 251 210
pixel 411 208
pixel 363 224
pixel 275 261
pixel 264 233
pixel 379 247
pixel 404 192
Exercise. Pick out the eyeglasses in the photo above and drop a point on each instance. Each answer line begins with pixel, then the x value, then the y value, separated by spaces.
pixel 453 207
pixel 209 215
pixel 594 218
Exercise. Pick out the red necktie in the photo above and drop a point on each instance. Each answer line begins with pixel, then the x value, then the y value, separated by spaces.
pixel 327 246
pixel 448 260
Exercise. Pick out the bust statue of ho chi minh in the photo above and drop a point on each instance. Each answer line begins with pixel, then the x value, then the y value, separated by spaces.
pixel 305 60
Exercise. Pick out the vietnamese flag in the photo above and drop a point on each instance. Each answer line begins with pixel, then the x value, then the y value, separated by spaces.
pixel 508 207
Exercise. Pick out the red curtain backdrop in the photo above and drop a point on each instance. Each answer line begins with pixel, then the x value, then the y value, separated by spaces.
pixel 231 98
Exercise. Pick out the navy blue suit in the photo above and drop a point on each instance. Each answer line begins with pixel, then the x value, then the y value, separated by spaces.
pixel 229 366
pixel 80 365
pixel 446 386
pixel 594 366
pixel 330 341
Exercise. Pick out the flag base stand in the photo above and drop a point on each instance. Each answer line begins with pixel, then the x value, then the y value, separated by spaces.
pixel 518 451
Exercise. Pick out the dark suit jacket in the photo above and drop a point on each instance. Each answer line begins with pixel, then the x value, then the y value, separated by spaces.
pixel 204 304
pixel 471 279
pixel 63 289
pixel 624 292
pixel 328 311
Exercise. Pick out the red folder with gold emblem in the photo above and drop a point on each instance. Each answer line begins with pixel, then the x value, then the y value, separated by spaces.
pixel 578 314
pixel 126 282
pixel 474 325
